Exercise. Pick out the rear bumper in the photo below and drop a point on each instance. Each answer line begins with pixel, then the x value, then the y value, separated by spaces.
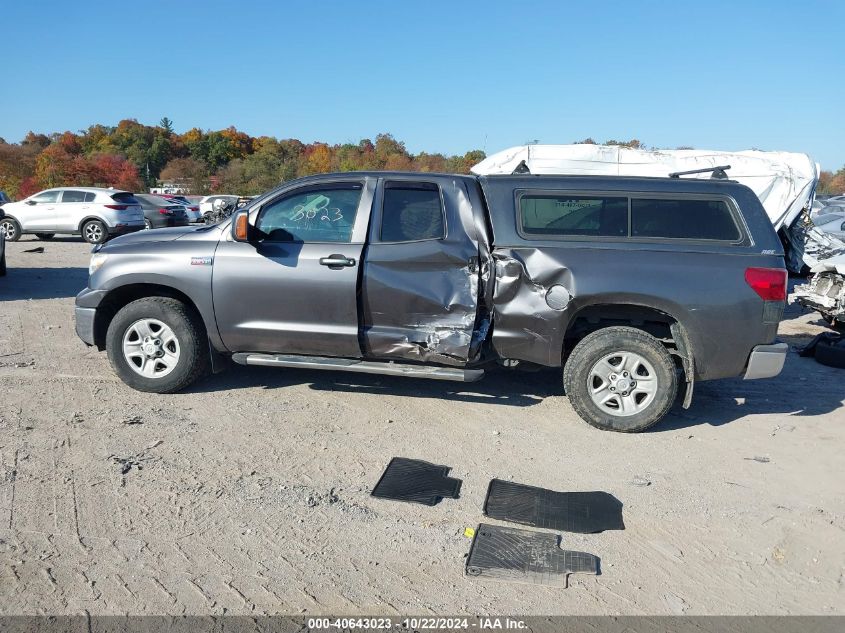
pixel 85 324
pixel 123 229
pixel 766 361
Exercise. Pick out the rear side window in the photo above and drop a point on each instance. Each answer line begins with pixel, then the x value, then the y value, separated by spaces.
pixel 89 196
pixel 412 212
pixel 550 214
pixel 69 195
pixel 683 219
pixel 124 198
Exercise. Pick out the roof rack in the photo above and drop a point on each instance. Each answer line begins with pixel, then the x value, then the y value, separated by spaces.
pixel 718 172
pixel 522 168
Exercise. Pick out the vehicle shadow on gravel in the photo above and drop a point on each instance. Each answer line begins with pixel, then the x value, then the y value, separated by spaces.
pixel 500 387
pixel 41 283
pixel 804 389
pixel 793 393
pixel 64 239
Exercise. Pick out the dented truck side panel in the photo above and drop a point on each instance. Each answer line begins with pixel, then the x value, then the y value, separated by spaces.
pixel 420 299
pixel 542 285
pixel 526 327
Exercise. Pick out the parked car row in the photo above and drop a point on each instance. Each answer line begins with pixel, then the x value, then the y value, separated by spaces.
pixel 98 214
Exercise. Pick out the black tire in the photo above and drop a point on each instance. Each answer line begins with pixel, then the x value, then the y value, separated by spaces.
pixel 45 236
pixel 11 228
pixel 598 345
pixel 94 232
pixel 830 355
pixel 190 333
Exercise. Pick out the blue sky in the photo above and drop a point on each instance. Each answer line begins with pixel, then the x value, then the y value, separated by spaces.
pixel 441 76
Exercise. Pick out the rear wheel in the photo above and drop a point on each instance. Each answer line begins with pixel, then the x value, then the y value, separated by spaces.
pixel 94 232
pixel 620 379
pixel 147 224
pixel 157 344
pixel 11 228
pixel 45 236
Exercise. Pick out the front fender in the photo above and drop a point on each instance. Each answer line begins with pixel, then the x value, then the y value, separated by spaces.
pixel 185 270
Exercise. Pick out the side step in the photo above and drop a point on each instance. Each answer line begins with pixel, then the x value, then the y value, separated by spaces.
pixel 361 366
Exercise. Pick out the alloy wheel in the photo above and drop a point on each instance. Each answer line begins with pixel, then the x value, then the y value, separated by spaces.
pixel 151 348
pixel 622 383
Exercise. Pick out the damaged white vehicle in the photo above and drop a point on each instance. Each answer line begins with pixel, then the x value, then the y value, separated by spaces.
pixel 825 291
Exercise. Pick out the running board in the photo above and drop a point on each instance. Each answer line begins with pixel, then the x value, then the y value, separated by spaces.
pixel 360 366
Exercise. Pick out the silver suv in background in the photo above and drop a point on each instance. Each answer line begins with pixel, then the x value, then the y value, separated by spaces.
pixel 2 250
pixel 94 213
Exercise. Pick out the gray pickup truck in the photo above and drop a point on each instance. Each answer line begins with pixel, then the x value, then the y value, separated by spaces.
pixel 630 285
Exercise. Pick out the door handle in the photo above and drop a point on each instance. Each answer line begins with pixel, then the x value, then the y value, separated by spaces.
pixel 337 261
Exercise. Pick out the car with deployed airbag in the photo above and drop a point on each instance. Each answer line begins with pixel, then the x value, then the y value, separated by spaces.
pixel 632 288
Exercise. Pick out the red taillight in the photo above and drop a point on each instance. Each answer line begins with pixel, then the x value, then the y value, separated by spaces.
pixel 116 207
pixel 165 211
pixel 769 283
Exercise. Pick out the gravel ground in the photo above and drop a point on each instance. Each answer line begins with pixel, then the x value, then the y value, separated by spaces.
pixel 249 494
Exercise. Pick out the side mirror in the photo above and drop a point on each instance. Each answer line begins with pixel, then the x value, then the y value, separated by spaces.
pixel 31 202
pixel 240 226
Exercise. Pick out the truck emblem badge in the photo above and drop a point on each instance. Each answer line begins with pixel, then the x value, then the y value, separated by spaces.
pixel 201 261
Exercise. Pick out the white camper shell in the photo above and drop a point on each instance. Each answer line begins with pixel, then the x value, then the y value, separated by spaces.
pixel 785 182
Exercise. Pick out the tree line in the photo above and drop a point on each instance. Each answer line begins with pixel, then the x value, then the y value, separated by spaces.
pixel 134 156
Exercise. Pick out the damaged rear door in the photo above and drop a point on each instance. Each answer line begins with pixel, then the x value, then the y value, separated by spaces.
pixel 421 278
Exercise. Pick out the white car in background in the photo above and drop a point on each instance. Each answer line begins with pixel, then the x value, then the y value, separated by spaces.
pixel 207 203
pixel 191 209
pixel 831 220
pixel 94 213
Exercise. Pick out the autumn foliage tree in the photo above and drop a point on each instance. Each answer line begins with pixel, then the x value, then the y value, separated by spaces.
pixel 134 156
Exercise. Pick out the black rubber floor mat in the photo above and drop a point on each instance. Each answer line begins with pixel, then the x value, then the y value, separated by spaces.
pixel 505 553
pixel 416 481
pixel 583 512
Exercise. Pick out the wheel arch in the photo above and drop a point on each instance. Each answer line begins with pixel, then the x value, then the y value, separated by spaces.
pixel 9 216
pixel 662 323
pixel 88 218
pixel 121 296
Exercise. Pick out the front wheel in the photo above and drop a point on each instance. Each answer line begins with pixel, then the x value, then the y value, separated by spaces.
pixel 11 229
pixel 620 379
pixel 157 344
pixel 94 232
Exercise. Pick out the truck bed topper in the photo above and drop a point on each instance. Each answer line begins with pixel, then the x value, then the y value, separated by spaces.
pixel 785 182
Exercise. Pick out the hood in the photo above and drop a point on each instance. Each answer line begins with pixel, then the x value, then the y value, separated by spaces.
pixel 158 235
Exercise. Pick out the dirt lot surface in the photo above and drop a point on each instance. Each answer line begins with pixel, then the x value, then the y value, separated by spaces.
pixel 250 493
